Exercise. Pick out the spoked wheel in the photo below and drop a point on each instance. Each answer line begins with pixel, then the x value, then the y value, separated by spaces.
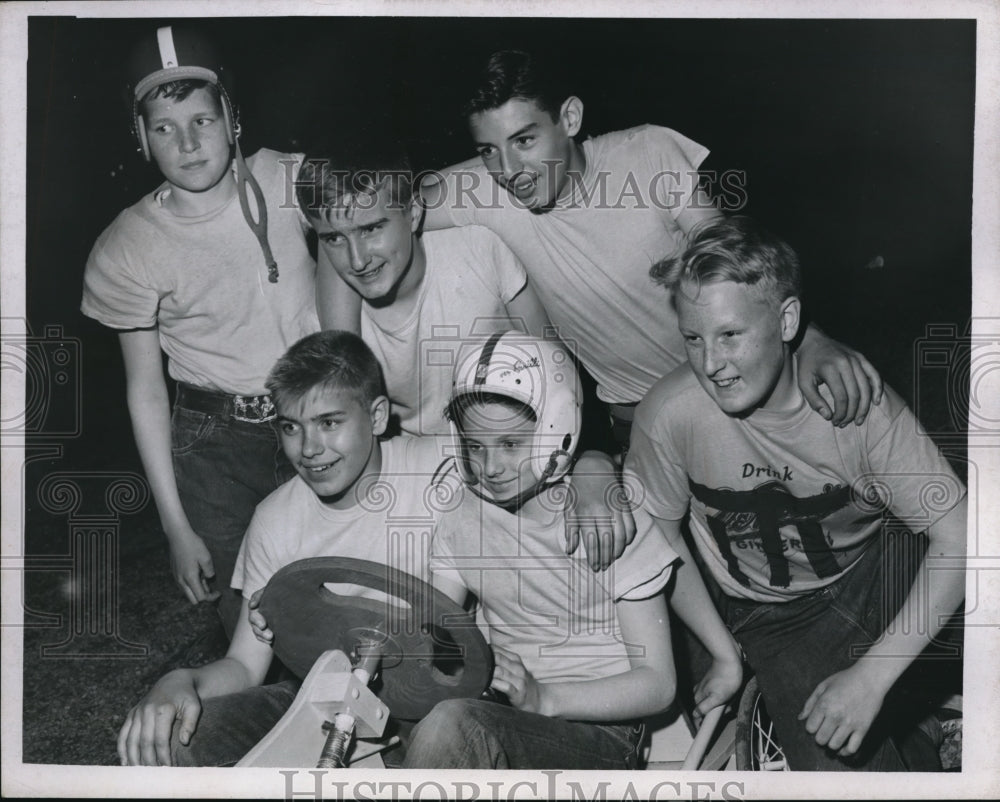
pixel 430 648
pixel 757 748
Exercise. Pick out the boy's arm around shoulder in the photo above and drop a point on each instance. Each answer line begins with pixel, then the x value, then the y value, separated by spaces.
pixel 176 699
pixel 597 510
pixel 851 381
pixel 674 161
pixel 442 190
pixel 338 306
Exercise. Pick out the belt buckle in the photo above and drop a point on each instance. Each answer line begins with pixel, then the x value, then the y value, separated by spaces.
pixel 253 409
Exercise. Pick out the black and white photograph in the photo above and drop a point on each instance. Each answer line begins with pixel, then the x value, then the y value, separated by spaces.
pixel 469 400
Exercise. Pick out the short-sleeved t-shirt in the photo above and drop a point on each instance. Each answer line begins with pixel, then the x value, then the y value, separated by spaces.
pixel 391 525
pixel 470 277
pixel 588 257
pixel 549 608
pixel 782 502
pixel 203 282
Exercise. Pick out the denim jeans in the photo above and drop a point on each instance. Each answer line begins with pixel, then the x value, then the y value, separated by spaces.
pixel 793 646
pixel 224 468
pixel 479 734
pixel 232 725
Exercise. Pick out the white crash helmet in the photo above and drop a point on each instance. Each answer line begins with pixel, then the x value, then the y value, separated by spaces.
pixel 538 373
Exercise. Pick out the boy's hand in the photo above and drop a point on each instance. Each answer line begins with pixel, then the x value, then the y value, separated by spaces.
pixel 597 512
pixel 721 683
pixel 144 739
pixel 841 709
pixel 192 566
pixel 512 678
pixel 852 381
pixel 257 622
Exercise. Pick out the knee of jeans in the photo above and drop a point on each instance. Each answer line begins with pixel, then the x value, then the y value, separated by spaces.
pixel 449 720
pixel 451 713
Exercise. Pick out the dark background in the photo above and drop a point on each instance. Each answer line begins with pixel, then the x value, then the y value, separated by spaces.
pixel 855 137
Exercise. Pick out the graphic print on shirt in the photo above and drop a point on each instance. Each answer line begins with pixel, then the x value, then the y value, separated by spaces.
pixel 752 519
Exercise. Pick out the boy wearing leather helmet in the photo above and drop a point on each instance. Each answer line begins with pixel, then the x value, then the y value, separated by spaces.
pixel 212 270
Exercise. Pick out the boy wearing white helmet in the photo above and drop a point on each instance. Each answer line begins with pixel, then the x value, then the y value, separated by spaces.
pixel 581 657
pixel 212 270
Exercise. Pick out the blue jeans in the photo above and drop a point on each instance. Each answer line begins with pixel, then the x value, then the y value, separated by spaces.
pixel 793 646
pixel 479 734
pixel 224 468
pixel 232 725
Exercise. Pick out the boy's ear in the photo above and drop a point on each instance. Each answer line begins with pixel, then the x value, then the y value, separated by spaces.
pixel 379 415
pixel 416 214
pixel 571 115
pixel 791 315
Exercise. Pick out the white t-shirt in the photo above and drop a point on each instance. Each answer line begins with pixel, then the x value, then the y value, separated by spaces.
pixel 588 258
pixel 470 276
pixel 203 282
pixel 549 608
pixel 391 525
pixel 782 502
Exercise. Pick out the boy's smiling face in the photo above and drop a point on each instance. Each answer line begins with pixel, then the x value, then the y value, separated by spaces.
pixel 372 245
pixel 737 342
pixel 498 443
pixel 527 152
pixel 189 140
pixel 329 436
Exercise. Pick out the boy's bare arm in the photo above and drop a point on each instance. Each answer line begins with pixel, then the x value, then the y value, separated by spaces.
pixel 149 408
pixel 337 305
pixel 853 382
pixel 436 193
pixel 597 511
pixel 689 599
pixel 841 709
pixel 647 688
pixel 525 310
pixel 176 699
pixel 698 211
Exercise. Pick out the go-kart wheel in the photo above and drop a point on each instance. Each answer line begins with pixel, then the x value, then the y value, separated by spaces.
pixel 757 747
pixel 431 648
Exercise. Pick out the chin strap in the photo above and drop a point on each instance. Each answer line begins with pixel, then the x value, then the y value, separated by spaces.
pixel 244 178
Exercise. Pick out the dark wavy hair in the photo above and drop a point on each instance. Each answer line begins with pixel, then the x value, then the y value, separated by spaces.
pixel 516 74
